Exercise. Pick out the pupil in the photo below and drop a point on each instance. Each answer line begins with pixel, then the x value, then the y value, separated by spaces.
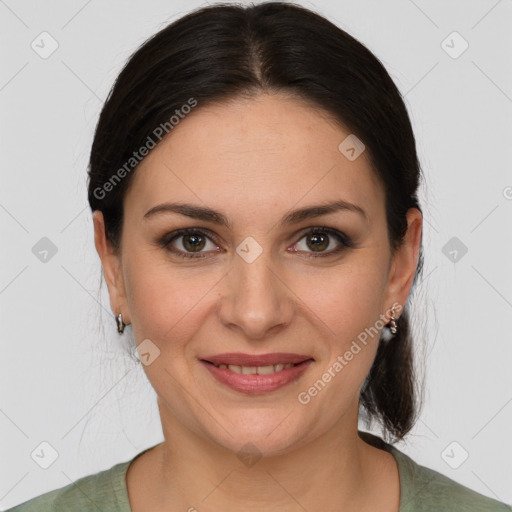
pixel 193 242
pixel 318 238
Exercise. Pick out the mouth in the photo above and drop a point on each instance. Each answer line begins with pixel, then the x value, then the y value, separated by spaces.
pixel 255 370
pixel 255 374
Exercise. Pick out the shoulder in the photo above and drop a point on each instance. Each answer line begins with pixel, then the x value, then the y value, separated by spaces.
pixel 425 490
pixel 105 491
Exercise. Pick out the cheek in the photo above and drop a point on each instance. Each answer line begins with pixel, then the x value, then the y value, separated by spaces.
pixel 345 300
pixel 166 303
pixel 345 304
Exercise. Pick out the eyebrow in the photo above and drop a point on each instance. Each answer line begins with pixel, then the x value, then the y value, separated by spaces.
pixel 294 217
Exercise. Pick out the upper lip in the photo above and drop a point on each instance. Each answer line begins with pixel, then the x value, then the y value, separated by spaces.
pixel 240 359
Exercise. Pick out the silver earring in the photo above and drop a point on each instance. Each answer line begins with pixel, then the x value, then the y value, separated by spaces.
pixel 120 324
pixel 392 324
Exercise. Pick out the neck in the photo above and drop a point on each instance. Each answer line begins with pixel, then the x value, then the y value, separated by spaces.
pixel 337 471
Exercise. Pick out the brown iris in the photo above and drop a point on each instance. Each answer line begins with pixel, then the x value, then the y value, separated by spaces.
pixel 193 242
pixel 320 241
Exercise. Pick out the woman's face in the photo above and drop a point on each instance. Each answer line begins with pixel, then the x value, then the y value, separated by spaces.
pixel 260 283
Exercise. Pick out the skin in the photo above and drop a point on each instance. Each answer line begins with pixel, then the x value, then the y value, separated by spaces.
pixel 255 160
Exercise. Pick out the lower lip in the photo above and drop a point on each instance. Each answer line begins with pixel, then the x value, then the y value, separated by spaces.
pixel 255 384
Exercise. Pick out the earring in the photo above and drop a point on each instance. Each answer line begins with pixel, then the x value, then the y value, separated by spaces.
pixel 392 324
pixel 120 324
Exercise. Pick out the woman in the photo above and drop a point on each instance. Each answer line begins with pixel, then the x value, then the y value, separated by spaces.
pixel 253 183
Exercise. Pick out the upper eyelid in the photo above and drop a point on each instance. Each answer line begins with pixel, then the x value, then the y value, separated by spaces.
pixel 333 232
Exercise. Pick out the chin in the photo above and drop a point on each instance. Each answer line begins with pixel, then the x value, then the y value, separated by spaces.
pixel 256 448
pixel 260 433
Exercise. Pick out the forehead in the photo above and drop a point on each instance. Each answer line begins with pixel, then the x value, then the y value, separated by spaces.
pixel 260 152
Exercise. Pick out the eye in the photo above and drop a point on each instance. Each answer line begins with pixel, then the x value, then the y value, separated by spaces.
pixel 188 243
pixel 319 239
pixel 193 243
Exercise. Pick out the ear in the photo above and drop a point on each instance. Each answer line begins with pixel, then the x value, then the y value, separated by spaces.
pixel 111 264
pixel 405 261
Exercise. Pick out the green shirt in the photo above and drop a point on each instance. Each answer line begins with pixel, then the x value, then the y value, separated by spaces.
pixel 421 490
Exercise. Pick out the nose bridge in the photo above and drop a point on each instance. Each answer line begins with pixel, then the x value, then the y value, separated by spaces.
pixel 256 300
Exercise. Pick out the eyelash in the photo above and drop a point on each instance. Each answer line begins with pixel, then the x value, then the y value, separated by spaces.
pixel 165 242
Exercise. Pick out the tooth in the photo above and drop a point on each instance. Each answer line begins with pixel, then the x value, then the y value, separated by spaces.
pixel 260 370
pixel 265 370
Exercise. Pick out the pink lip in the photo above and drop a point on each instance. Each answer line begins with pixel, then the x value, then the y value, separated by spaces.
pixel 240 359
pixel 256 384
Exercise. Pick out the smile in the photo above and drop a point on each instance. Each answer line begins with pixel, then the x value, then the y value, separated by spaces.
pixel 260 370
pixel 256 379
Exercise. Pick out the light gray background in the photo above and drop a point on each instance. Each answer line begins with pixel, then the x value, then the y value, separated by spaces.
pixel 68 383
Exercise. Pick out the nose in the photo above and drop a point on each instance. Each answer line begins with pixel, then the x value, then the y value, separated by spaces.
pixel 255 298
